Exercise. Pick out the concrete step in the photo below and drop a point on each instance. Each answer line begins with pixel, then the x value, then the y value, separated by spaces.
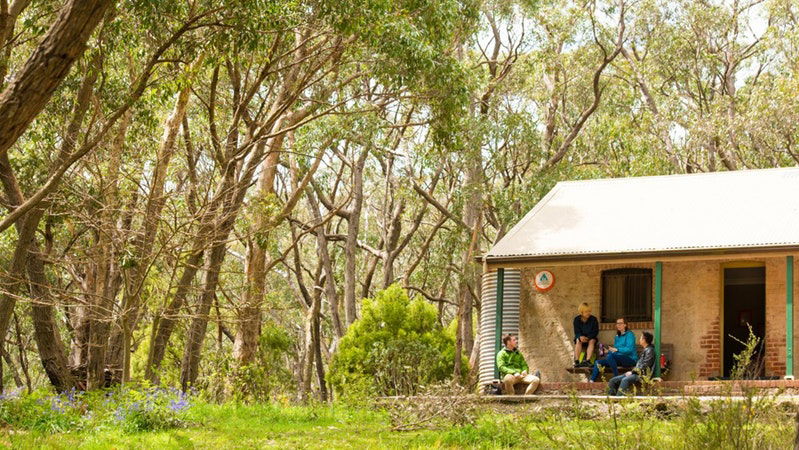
pixel 698 387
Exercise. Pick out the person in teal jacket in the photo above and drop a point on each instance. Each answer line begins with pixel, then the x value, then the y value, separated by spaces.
pixel 622 353
pixel 513 368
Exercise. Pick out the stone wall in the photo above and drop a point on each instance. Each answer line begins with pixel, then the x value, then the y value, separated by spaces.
pixel 692 306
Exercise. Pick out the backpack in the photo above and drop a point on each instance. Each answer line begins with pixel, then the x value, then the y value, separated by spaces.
pixel 493 388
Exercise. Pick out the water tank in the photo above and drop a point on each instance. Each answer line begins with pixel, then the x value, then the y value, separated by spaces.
pixel 511 293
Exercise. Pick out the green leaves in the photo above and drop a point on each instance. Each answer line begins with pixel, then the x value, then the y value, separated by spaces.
pixel 411 45
pixel 397 343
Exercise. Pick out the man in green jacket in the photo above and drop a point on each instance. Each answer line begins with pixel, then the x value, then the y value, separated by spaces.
pixel 513 368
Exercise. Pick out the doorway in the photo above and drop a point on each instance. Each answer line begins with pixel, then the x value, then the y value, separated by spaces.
pixel 744 306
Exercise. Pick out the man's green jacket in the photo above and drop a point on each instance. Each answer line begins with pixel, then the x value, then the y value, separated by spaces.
pixel 510 362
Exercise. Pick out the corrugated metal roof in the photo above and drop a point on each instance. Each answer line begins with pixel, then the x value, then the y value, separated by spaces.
pixel 747 209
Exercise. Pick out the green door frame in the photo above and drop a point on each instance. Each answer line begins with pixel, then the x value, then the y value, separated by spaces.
pixel 658 300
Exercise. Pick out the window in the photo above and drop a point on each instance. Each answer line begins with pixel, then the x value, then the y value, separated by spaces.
pixel 627 293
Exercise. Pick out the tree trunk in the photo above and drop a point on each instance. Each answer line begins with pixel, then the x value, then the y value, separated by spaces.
pixel 392 240
pixel 166 321
pixel 25 97
pixel 472 218
pixel 309 352
pixel 27 257
pixel 26 252
pixel 248 331
pixel 320 368
pixel 144 243
pixel 14 371
pixel 199 323
pixel 324 256
pixel 351 247
pixel 232 195
pixel 23 362
pixel 48 339
pixel 8 19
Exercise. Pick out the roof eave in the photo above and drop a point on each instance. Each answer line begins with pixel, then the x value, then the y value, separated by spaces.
pixel 633 255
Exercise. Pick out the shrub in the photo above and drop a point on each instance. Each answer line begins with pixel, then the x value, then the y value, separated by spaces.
pixel 263 380
pixel 752 421
pixel 396 347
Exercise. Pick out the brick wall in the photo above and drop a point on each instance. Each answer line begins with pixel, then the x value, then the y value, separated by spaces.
pixel 775 317
pixel 710 343
pixel 692 294
pixel 775 357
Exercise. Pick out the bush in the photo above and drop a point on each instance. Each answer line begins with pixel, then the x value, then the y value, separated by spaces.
pixel 267 375
pixel 263 380
pixel 751 422
pixel 396 347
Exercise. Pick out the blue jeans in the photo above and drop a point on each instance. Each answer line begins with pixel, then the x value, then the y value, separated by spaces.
pixel 612 360
pixel 619 385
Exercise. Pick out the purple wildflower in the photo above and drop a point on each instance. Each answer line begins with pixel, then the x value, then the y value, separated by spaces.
pixel 178 405
pixel 55 405
pixel 10 395
pixel 119 414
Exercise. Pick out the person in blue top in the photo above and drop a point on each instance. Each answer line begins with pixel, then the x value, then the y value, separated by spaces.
pixel 622 353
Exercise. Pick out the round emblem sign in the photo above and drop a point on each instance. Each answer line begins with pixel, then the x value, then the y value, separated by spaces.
pixel 544 281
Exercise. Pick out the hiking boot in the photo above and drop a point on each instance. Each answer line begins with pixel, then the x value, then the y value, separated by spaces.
pixel 577 363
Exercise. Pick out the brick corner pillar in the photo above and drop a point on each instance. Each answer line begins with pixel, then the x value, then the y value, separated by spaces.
pixel 658 307
pixel 789 317
pixel 710 342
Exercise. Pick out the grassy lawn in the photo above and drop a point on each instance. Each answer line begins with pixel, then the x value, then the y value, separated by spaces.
pixel 240 426
pixel 269 426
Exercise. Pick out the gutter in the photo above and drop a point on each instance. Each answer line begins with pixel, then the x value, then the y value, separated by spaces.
pixel 654 254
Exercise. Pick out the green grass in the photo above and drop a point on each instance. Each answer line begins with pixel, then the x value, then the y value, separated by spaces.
pixel 239 426
pixel 226 426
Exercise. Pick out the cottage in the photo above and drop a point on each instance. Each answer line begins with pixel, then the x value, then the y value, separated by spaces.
pixel 695 259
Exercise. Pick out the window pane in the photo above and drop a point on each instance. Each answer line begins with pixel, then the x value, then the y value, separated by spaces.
pixel 613 297
pixel 627 293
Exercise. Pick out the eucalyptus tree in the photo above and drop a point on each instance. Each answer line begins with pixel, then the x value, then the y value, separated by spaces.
pixel 76 143
pixel 704 73
pixel 35 81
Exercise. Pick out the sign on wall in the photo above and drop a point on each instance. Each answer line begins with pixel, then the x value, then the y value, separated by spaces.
pixel 544 281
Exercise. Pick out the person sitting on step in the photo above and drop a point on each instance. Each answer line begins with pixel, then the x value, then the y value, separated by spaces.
pixel 586 330
pixel 644 367
pixel 621 354
pixel 513 368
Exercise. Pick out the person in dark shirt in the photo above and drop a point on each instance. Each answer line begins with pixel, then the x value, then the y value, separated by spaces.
pixel 644 367
pixel 586 330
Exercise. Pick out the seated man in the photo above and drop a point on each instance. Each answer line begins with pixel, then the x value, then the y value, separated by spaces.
pixel 586 330
pixel 513 368
pixel 645 366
